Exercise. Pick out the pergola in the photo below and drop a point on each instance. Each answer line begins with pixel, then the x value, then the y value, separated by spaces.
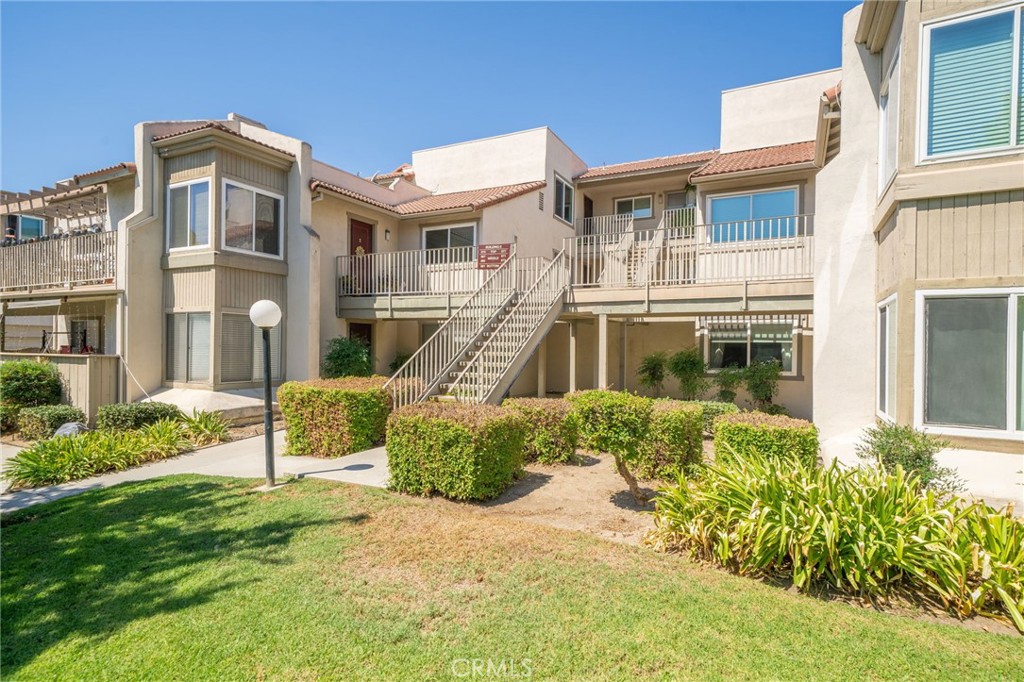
pixel 75 199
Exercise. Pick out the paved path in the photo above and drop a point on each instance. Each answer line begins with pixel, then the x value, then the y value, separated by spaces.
pixel 240 459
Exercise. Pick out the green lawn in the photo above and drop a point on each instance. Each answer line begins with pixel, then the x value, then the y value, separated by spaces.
pixel 192 578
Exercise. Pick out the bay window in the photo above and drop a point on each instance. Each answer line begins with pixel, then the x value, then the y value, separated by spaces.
pixel 564 197
pixel 753 215
pixel 252 220
pixel 970 364
pixel 638 207
pixel 972 86
pixel 188 214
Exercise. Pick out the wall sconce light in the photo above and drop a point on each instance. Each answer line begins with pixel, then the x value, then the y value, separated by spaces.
pixel 387 235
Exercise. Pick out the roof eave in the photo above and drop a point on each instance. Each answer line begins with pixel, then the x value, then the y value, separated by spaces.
pixel 641 173
pixel 803 165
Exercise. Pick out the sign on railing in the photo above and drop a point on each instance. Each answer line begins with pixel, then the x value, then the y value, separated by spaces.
pixel 492 256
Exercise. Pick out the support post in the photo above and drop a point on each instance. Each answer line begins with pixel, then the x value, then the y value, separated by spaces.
pixel 542 368
pixel 602 351
pixel 268 410
pixel 573 341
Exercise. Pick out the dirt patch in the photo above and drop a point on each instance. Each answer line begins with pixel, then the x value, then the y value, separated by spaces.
pixel 590 497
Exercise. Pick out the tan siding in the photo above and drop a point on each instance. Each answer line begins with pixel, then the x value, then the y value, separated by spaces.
pixel 980 235
pixel 888 256
pixel 241 288
pixel 190 166
pixel 189 289
pixel 252 171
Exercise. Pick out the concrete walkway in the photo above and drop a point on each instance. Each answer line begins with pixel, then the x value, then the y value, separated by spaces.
pixel 238 459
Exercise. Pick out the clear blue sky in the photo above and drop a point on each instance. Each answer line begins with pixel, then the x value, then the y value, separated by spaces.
pixel 367 84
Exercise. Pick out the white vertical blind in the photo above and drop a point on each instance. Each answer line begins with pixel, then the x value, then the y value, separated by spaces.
pixel 177 346
pixel 257 352
pixel 236 348
pixel 198 346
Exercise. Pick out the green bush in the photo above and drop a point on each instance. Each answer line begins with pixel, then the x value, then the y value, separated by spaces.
pixel 864 530
pixel 773 436
pixel 674 442
pixel 69 458
pixel 204 428
pixel 554 428
pixel 400 359
pixel 728 379
pixel 334 417
pixel 713 409
pixel 653 371
pixel 128 416
pixel 891 445
pixel 27 383
pixel 612 421
pixel 346 358
pixel 36 423
pixel 689 368
pixel 460 451
pixel 8 417
pixel 762 381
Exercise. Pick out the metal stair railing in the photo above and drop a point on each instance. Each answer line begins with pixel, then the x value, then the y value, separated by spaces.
pixel 423 372
pixel 496 358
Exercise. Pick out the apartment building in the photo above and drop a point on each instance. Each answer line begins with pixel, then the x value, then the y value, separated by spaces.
pixel 863 225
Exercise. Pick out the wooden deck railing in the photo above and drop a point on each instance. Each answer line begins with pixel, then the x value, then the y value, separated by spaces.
pixel 59 263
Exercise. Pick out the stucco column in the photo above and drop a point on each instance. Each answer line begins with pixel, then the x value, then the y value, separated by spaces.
pixel 602 351
pixel 573 341
pixel 542 368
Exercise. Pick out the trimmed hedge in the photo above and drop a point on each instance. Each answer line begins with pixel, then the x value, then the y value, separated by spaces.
pixel 37 423
pixel 773 436
pixel 713 409
pixel 8 417
pixel 27 383
pixel 129 416
pixel 334 417
pixel 460 451
pixel 674 440
pixel 554 428
pixel 612 421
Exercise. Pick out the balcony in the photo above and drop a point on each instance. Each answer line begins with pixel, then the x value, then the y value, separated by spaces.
pixel 679 253
pixel 59 262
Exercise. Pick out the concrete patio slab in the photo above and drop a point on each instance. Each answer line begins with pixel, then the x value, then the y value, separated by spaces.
pixel 237 459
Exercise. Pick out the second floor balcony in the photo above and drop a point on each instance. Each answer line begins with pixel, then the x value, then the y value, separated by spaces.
pixel 59 262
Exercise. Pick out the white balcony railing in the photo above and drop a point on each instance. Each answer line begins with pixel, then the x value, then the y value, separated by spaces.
pixel 420 272
pixel 59 263
pixel 680 254
pixel 603 225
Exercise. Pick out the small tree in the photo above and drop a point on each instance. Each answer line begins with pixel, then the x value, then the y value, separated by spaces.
pixel 728 379
pixel 762 381
pixel 652 372
pixel 689 368
pixel 346 358
pixel 892 445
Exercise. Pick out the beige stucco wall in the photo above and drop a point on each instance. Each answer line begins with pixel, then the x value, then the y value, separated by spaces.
pixel 844 267
pixel 489 162
pixel 604 194
pixel 773 113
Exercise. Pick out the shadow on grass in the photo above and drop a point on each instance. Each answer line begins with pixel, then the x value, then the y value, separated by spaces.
pixel 90 565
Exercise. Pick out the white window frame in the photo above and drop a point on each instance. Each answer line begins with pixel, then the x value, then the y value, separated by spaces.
pixel 769 190
pixel 882 346
pixel 884 180
pixel 167 215
pixel 568 188
pixel 224 218
pixel 632 213
pixel 453 226
pixel 188 357
pixel 21 216
pixel 924 86
pixel 1011 432
pixel 794 333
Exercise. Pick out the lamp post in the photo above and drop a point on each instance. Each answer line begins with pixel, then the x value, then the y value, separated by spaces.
pixel 266 315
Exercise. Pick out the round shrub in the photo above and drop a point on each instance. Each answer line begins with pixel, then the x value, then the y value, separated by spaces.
pixel 554 429
pixel 127 416
pixel 334 417
pixel 8 417
pixel 612 421
pixel 773 436
pixel 713 409
pixel 346 358
pixel 460 451
pixel 674 441
pixel 37 423
pixel 27 383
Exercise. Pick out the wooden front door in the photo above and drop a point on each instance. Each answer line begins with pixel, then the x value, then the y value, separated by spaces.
pixel 361 246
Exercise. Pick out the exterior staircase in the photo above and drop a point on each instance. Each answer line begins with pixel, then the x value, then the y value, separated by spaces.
pixel 478 352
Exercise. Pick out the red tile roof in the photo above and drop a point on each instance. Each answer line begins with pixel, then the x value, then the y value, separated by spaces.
pixel 127 166
pixel 832 94
pixel 399 172
pixel 758 159
pixel 217 125
pixel 472 200
pixel 647 165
